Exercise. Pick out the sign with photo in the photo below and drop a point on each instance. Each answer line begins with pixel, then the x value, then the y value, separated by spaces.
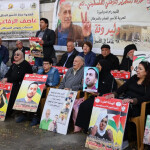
pixel 5 91
pixel 36 48
pixel 146 139
pixel 91 78
pixel 29 58
pixel 102 22
pixel 104 124
pixel 30 92
pixel 57 110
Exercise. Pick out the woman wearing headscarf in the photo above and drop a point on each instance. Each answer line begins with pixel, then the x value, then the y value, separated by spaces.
pixel 99 129
pixel 128 57
pixel 15 75
pixel 107 84
pixel 87 54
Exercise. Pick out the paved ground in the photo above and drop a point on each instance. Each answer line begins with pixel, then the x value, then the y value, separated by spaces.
pixel 21 136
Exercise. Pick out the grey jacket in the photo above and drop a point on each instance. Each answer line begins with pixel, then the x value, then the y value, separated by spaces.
pixel 71 81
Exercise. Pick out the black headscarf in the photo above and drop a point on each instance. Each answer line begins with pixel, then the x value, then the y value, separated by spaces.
pixel 105 68
pixel 128 48
pixel 126 61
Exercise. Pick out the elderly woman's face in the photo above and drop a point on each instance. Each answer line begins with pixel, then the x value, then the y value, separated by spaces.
pixel 103 124
pixel 86 49
pixel 17 56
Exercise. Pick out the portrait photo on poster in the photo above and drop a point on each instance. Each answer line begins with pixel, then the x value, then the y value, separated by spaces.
pixel 91 77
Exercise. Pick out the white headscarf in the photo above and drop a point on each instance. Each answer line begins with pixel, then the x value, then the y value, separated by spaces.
pixel 101 116
pixel 22 57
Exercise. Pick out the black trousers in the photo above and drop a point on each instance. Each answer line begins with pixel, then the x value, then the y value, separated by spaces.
pixel 84 114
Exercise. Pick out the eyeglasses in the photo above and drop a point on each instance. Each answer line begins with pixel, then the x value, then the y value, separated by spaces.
pixel 17 54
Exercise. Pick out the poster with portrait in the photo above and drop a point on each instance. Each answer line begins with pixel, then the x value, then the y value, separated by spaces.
pixel 123 119
pixel 29 58
pixel 36 48
pixel 104 124
pixel 138 57
pixel 5 91
pixel 57 110
pixel 146 139
pixel 102 22
pixel 30 92
pixel 19 19
pixel 91 78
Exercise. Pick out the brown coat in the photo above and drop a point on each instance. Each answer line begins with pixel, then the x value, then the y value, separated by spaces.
pixel 75 35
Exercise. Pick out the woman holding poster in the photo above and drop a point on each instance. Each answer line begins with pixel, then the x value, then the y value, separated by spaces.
pixel 15 75
pixel 106 84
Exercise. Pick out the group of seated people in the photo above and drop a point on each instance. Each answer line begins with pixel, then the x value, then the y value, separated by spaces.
pixel 134 91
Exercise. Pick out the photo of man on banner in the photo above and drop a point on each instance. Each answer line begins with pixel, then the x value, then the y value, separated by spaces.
pixel 67 31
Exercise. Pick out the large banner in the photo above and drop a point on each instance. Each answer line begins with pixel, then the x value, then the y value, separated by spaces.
pixel 19 19
pixel 30 92
pixel 114 22
pixel 57 110
pixel 5 91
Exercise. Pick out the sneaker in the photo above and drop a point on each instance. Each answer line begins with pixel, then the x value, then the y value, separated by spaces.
pixel 125 144
pixel 35 121
pixel 21 118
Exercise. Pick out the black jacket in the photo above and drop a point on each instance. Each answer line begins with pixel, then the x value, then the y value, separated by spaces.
pixel 69 62
pixel 23 50
pixel 49 41
pixel 112 59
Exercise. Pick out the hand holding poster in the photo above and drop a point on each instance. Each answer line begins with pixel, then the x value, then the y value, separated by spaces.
pixel 57 110
pixel 91 78
pixel 104 123
pixel 5 91
pixel 30 92
pixel 35 47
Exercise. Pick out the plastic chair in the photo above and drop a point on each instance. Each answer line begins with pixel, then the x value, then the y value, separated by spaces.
pixel 140 124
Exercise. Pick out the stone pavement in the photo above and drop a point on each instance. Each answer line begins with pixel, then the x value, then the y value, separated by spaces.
pixel 21 136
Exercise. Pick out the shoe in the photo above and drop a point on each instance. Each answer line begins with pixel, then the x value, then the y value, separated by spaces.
pixel 125 144
pixel 35 121
pixel 21 119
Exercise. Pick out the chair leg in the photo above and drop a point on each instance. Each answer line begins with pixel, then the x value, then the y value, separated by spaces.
pixel 138 137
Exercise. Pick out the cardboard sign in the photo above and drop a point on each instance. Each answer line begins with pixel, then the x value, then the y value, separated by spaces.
pixel 30 92
pixel 57 110
pixel 105 124
pixel 5 91
pixel 35 47
pixel 121 75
